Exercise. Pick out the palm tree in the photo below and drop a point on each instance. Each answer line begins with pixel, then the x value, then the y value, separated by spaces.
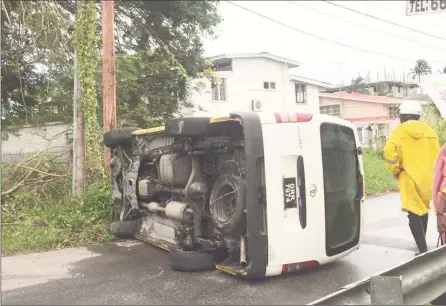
pixel 421 68
pixel 359 86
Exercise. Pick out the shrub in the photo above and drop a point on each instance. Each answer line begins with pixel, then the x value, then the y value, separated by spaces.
pixel 46 216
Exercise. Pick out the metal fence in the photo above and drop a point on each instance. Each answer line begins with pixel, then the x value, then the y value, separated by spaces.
pixel 418 281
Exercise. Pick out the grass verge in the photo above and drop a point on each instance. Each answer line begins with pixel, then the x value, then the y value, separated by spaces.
pixel 31 222
pixel 378 179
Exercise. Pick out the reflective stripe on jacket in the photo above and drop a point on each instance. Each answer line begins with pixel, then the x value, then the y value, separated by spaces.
pixel 410 154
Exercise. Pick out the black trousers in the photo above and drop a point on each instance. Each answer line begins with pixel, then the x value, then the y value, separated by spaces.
pixel 418 227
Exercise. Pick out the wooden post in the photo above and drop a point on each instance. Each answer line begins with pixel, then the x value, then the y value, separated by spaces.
pixel 108 74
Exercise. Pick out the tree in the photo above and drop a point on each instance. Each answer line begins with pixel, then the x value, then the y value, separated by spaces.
pixel 359 86
pixel 36 59
pixel 421 68
pixel 383 89
pixel 159 47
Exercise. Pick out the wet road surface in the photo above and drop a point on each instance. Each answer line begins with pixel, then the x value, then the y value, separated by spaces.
pixel 136 273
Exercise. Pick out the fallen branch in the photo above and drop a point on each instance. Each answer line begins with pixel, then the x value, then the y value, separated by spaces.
pixel 42 172
pixel 21 183
pixel 6 12
pixel 39 182
pixel 29 160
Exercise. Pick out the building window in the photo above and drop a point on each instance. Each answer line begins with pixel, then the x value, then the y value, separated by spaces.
pixel 393 111
pixel 301 93
pixel 269 85
pixel 222 65
pixel 219 91
pixel 332 110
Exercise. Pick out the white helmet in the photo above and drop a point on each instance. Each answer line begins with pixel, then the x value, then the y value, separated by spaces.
pixel 410 108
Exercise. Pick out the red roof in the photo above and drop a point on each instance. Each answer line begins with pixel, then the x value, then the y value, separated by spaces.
pixel 364 98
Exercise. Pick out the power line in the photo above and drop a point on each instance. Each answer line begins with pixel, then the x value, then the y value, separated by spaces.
pixel 364 26
pixel 322 38
pixel 389 22
pixel 398 14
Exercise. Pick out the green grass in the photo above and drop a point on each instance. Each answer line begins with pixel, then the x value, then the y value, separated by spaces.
pixel 32 223
pixel 378 179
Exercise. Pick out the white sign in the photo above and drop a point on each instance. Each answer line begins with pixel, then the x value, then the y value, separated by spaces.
pixel 435 87
pixel 422 7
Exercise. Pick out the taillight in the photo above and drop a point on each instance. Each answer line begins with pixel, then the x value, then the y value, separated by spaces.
pixel 293 117
pixel 292 267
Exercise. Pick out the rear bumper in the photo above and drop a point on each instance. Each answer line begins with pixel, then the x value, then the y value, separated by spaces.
pixel 277 269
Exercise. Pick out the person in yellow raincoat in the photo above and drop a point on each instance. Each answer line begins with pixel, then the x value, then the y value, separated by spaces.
pixel 410 153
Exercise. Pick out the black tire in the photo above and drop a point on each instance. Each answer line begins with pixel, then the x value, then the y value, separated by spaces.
pixel 191 261
pixel 119 137
pixel 124 230
pixel 189 126
pixel 229 185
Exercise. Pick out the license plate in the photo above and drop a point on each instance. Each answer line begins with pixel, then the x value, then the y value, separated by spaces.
pixel 289 192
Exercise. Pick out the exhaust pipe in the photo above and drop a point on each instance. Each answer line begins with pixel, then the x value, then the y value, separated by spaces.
pixel 243 262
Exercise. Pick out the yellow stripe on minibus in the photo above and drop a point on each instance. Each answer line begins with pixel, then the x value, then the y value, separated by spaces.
pixel 219 119
pixel 149 131
pixel 226 270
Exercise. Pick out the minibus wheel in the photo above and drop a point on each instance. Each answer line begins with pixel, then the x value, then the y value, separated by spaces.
pixel 191 261
pixel 124 222
pixel 124 230
pixel 119 137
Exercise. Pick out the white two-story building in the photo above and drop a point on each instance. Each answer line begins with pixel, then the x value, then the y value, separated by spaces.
pixel 257 82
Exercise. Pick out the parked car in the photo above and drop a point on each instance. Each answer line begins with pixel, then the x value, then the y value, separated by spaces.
pixel 251 194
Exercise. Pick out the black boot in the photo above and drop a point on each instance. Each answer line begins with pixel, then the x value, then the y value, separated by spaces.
pixel 417 228
pixel 425 220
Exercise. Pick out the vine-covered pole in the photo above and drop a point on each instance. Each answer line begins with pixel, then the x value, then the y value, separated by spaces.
pixel 108 74
pixel 86 45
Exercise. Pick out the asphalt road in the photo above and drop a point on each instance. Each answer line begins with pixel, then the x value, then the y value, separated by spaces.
pixel 135 273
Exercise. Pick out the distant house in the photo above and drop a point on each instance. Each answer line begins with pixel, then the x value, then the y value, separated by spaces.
pixel 257 82
pixel 395 89
pixel 374 116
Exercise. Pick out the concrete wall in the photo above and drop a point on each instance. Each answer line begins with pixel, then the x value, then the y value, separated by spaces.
pixel 404 92
pixel 245 83
pixel 31 140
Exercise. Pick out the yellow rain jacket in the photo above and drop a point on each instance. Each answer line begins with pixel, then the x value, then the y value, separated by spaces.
pixel 410 154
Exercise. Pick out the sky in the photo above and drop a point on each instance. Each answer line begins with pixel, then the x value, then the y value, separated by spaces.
pixel 242 31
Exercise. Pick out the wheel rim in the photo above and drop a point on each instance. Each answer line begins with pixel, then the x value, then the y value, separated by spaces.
pixel 225 203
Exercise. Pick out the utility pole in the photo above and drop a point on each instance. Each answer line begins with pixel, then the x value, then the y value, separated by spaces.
pixel 108 74
pixel 340 75
pixel 78 182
